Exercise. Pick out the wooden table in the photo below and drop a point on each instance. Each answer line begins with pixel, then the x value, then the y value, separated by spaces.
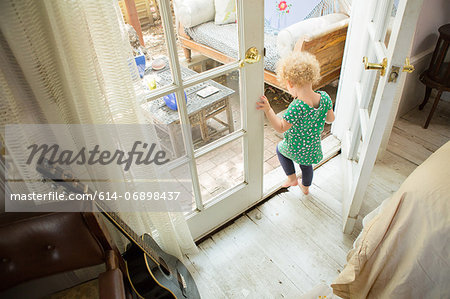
pixel 199 111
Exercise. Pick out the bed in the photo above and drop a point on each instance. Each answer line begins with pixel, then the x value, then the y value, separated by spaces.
pixel 322 35
pixel 403 250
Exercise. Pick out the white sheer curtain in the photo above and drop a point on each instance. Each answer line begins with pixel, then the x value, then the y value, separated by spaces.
pixel 68 62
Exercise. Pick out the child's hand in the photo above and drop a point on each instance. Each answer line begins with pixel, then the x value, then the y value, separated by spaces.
pixel 263 104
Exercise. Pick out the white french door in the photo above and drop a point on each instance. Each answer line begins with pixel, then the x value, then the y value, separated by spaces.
pixel 375 59
pixel 211 208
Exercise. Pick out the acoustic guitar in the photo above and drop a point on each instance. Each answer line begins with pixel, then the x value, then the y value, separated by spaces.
pixel 152 272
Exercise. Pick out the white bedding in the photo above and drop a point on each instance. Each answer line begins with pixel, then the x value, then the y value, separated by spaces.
pixel 404 250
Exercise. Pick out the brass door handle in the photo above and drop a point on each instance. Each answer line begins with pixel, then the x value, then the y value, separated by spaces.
pixel 251 56
pixel 408 67
pixel 375 66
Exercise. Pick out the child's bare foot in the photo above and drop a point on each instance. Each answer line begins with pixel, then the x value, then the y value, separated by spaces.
pixel 305 189
pixel 291 181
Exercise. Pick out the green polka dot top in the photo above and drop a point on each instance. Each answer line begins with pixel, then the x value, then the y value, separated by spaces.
pixel 301 142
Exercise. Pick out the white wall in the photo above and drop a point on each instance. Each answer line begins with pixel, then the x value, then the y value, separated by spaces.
pixel 434 14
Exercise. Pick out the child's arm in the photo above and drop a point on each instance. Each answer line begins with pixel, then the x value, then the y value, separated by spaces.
pixel 280 125
pixel 330 116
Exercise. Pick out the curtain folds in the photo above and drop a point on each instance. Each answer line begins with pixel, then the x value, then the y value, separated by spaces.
pixel 70 62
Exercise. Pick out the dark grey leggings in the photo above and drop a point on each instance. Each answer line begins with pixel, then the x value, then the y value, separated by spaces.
pixel 288 167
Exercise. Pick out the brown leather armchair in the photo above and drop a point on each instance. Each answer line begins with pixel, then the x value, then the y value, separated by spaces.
pixel 35 245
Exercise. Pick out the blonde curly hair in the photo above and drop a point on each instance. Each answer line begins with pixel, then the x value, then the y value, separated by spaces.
pixel 298 68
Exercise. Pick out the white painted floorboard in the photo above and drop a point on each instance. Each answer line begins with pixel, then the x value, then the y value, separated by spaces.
pixel 291 243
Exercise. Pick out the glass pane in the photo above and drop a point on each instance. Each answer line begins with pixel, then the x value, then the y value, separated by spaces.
pixel 358 147
pixel 214 108
pixel 331 89
pixel 355 138
pixel 208 42
pixel 181 176
pixel 151 58
pixel 279 102
pixel 369 82
pixel 221 169
pixel 373 92
pixel 390 23
pixel 211 116
pixel 167 126
pixel 271 140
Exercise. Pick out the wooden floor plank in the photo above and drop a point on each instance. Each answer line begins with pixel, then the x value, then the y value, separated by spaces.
pixel 253 261
pixel 329 178
pixel 328 201
pixel 206 287
pixel 439 123
pixel 404 146
pixel 203 272
pixel 268 238
pixel 221 270
pixel 296 245
pixel 329 222
pixel 291 214
pixel 327 184
pixel 238 255
pixel 419 133
pixel 396 165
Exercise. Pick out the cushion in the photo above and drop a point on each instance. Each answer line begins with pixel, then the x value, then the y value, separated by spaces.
pixel 224 38
pixel 225 12
pixel 194 12
pixel 288 37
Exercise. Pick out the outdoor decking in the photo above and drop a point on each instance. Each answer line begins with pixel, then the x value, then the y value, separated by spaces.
pixel 290 243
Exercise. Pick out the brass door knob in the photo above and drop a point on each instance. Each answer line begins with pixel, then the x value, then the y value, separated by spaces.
pixel 408 67
pixel 375 66
pixel 251 56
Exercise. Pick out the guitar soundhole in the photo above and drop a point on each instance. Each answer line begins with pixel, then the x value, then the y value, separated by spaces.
pixel 163 266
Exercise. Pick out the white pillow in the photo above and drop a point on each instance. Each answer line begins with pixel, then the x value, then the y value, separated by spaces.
pixel 288 36
pixel 191 13
pixel 225 11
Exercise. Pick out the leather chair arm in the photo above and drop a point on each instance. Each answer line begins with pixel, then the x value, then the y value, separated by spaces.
pixel 110 284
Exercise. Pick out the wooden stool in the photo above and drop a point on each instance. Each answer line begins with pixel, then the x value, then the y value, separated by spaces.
pixel 438 73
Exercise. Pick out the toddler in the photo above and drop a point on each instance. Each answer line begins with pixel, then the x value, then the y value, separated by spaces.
pixel 304 119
